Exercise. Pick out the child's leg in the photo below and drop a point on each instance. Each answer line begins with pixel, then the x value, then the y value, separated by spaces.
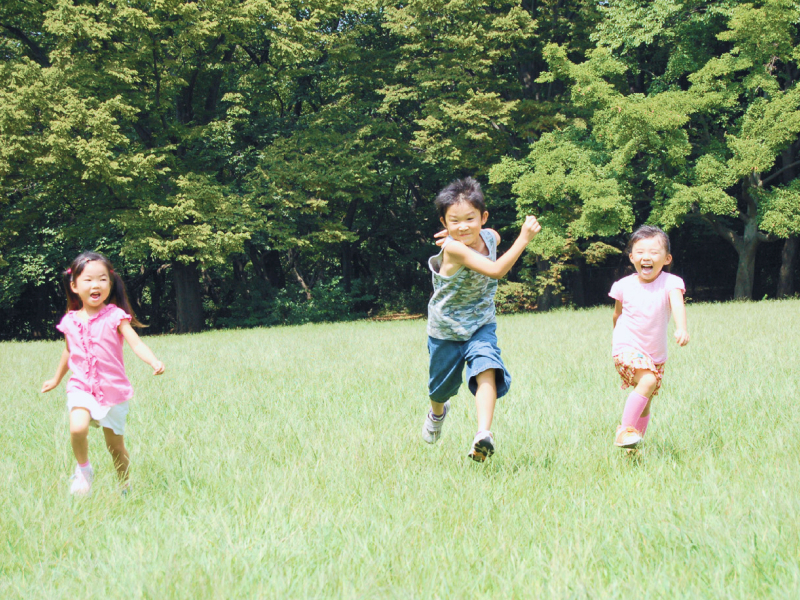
pixel 487 376
pixel 645 383
pixel 119 454
pixel 437 408
pixel 637 406
pixel 79 419
pixel 445 370
pixel 485 398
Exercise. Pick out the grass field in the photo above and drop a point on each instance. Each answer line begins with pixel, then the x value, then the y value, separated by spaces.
pixel 287 463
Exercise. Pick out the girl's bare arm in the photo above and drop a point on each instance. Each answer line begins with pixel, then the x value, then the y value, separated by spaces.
pixel 679 316
pixel 61 370
pixel 617 311
pixel 139 348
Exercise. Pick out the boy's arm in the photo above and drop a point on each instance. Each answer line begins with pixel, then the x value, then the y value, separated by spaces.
pixel 460 254
pixel 679 316
pixel 139 348
pixel 617 311
pixel 61 370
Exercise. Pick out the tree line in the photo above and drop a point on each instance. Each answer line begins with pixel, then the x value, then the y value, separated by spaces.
pixel 256 162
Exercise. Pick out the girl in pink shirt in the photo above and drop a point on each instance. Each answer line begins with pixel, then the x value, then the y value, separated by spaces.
pixel 644 301
pixel 98 318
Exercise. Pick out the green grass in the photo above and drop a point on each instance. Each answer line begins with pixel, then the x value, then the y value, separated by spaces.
pixel 287 463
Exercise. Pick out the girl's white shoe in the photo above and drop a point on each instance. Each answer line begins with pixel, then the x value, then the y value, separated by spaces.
pixel 81 482
pixel 627 437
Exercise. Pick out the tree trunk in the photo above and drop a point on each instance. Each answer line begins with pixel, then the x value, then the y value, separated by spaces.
pixel 579 283
pixel 348 268
pixel 155 301
pixel 789 253
pixel 43 315
pixel 747 247
pixel 548 299
pixel 267 266
pixel 347 247
pixel 189 297
pixel 788 257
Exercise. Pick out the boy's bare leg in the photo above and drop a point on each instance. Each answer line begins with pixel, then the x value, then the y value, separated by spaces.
pixel 437 408
pixel 485 398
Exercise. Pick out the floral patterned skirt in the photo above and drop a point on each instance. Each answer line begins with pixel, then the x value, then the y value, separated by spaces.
pixel 628 362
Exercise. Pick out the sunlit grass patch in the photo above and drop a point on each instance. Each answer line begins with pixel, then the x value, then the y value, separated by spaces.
pixel 288 462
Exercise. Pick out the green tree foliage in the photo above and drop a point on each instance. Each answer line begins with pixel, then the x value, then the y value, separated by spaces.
pixel 696 114
pixel 266 161
pixel 136 119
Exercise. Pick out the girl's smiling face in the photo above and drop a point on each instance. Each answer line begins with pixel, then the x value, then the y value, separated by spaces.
pixel 649 256
pixel 93 285
pixel 463 223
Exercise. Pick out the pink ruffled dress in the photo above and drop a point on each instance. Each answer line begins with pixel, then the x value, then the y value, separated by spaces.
pixel 95 357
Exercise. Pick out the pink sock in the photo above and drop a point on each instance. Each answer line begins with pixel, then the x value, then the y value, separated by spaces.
pixel 634 406
pixel 641 424
pixel 84 465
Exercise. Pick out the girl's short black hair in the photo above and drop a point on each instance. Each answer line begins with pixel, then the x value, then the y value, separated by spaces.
pixel 460 190
pixel 646 232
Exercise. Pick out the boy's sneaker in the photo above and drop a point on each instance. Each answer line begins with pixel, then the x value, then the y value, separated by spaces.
pixel 432 428
pixel 627 437
pixel 81 481
pixel 482 446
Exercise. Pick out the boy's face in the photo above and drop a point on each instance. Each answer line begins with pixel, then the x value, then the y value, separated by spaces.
pixel 463 223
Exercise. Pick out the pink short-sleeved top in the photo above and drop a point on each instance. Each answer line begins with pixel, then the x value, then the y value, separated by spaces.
pixel 642 326
pixel 95 355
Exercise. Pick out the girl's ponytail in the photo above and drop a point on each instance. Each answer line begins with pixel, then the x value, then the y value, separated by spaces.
pixel 73 301
pixel 119 296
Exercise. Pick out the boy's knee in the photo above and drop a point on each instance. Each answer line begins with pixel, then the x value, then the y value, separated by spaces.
pixel 486 376
pixel 441 397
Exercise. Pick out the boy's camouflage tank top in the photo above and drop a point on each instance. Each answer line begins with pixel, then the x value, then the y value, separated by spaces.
pixel 463 302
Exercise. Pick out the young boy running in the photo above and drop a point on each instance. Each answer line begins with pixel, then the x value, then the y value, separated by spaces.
pixel 461 312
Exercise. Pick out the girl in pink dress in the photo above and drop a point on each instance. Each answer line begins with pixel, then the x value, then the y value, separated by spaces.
pixel 98 318
pixel 644 302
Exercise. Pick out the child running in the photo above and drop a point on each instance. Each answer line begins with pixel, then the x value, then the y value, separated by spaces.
pixel 98 317
pixel 641 314
pixel 461 312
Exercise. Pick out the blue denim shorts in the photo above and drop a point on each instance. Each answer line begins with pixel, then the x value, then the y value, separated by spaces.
pixel 480 352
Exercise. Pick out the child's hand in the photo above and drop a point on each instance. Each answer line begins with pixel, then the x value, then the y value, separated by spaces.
pixel 440 237
pixel 50 384
pixel 530 228
pixel 158 367
pixel 681 337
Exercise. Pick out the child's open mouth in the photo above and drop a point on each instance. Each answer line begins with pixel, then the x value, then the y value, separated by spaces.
pixel 95 296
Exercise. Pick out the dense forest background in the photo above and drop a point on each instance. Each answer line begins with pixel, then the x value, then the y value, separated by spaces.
pixel 258 162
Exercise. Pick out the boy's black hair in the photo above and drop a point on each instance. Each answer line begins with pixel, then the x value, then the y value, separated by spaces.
pixel 460 190
pixel 645 232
